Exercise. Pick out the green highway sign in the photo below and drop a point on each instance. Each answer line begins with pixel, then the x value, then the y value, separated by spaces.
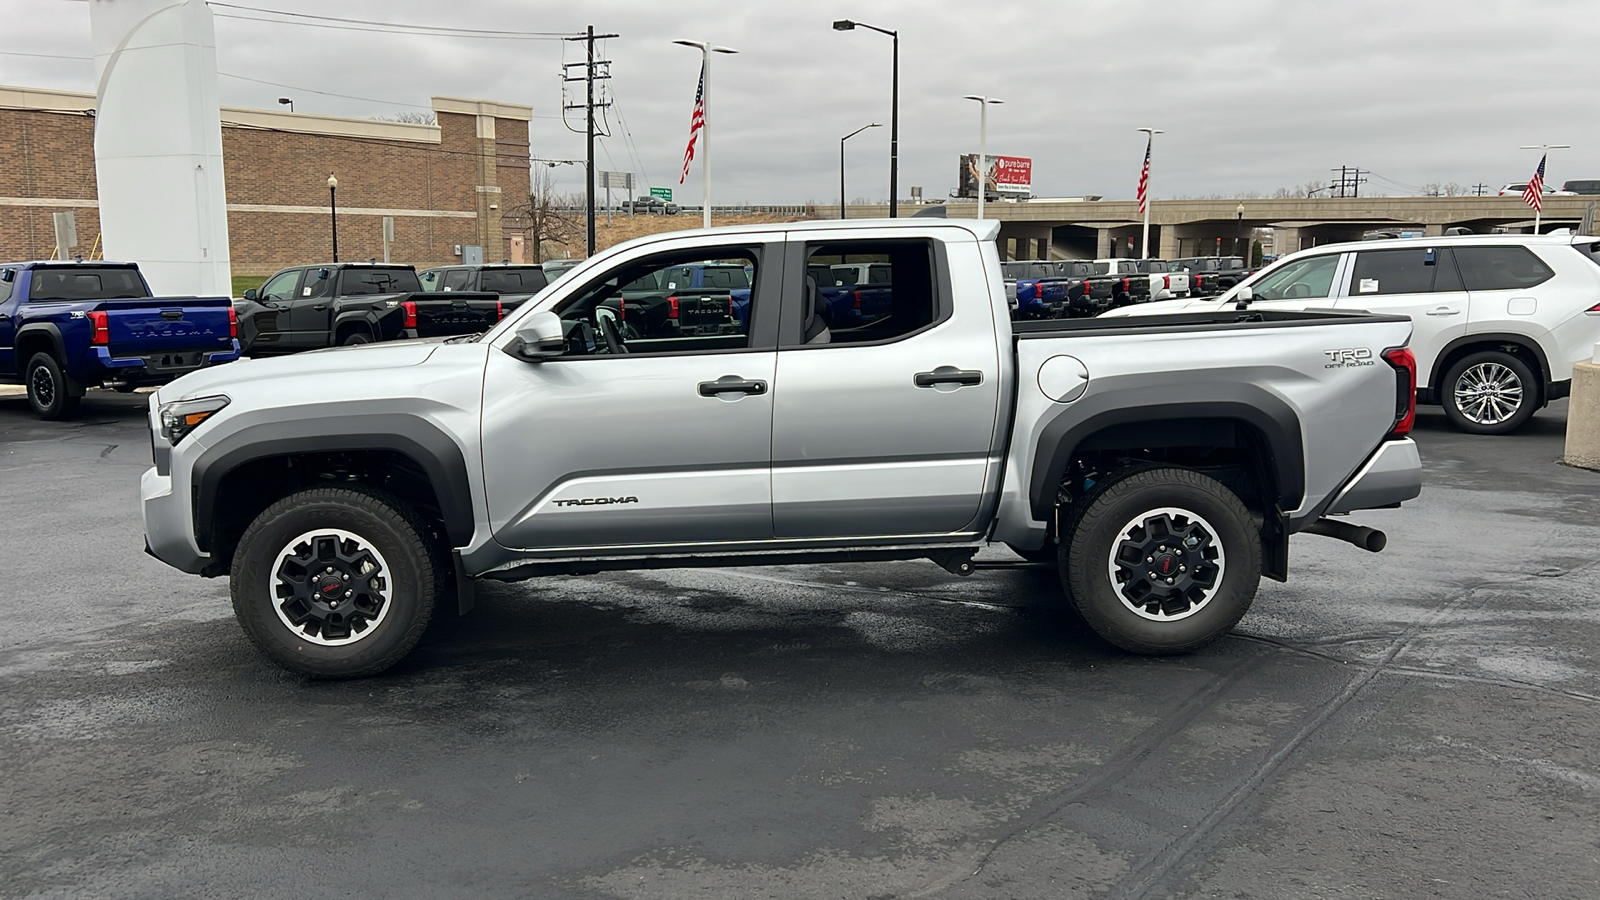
pixel 663 193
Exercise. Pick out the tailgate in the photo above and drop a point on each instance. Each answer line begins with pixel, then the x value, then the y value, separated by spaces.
pixel 705 315
pixel 168 324
pixel 461 312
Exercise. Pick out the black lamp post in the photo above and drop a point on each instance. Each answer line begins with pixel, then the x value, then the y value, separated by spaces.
pixel 285 101
pixel 841 161
pixel 333 213
pixel 1238 229
pixel 894 112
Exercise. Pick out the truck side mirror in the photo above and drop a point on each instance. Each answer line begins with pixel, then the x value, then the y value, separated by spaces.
pixel 539 337
pixel 251 294
pixel 8 275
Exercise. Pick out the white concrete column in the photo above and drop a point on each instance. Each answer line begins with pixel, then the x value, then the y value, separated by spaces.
pixel 158 143
pixel 1102 243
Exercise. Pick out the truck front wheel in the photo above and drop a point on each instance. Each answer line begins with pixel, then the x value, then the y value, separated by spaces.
pixel 50 394
pixel 336 582
pixel 1163 561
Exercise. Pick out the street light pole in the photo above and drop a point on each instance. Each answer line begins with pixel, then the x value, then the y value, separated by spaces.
pixel 894 111
pixel 285 101
pixel 333 213
pixel 1545 149
pixel 1144 241
pixel 1238 230
pixel 984 101
pixel 841 161
pixel 706 49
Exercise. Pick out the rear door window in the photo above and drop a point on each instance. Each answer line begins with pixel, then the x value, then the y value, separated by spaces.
pixel 365 282
pixel 1403 271
pixel 900 295
pixel 1501 268
pixel 456 279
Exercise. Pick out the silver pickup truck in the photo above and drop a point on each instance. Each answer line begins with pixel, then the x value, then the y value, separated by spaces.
pixel 1160 462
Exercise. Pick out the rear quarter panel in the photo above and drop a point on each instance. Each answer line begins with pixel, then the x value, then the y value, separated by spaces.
pixel 1343 410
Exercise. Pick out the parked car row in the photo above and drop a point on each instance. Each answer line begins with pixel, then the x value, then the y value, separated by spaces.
pixel 1062 289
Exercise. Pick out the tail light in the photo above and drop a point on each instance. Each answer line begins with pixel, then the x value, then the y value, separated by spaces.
pixel 1199 282
pixel 1593 310
pixel 730 306
pixel 499 310
pixel 622 308
pixel 410 307
pixel 1166 282
pixel 102 330
pixel 1125 285
pixel 672 307
pixel 858 299
pixel 1405 400
pixel 233 322
pixel 1087 287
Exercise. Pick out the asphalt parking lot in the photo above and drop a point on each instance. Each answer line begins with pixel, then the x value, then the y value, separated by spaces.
pixel 1420 723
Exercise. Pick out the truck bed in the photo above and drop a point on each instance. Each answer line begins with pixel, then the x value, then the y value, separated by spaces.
pixel 1216 320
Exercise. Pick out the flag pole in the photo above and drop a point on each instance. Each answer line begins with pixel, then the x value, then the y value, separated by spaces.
pixel 1144 244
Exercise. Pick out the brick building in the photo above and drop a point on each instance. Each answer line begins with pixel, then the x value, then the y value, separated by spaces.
pixel 461 182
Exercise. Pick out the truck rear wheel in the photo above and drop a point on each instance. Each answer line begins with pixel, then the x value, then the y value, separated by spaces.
pixel 50 393
pixel 336 582
pixel 1163 561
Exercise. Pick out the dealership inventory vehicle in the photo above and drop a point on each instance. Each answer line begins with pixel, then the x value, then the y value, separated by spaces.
pixel 1211 275
pixel 513 283
pixel 68 326
pixel 1168 281
pixel 1129 285
pixel 1161 464
pixel 1500 319
pixel 337 304
pixel 1053 289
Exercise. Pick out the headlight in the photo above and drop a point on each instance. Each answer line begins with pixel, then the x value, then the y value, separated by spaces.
pixel 180 417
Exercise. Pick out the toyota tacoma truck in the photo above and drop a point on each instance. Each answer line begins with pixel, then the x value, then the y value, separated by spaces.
pixel 68 326
pixel 513 283
pixel 338 304
pixel 1160 464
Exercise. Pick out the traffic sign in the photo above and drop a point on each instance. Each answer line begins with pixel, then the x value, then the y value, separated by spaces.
pixel 662 193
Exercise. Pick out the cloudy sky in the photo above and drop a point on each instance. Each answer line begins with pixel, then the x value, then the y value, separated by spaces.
pixel 1253 94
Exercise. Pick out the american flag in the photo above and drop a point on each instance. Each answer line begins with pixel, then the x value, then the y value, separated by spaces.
pixel 697 121
pixel 1533 194
pixel 1144 178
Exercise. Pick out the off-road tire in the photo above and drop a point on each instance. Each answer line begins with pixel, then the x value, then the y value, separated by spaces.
pixel 1487 361
pixel 420 578
pixel 1099 527
pixel 51 393
pixel 356 337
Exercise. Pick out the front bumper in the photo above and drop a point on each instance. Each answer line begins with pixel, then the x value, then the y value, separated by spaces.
pixel 1390 477
pixel 168 532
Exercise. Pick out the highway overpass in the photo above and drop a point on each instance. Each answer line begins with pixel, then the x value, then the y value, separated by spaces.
pixel 1079 229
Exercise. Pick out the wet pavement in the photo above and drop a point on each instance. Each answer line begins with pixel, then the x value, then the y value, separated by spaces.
pixel 1419 723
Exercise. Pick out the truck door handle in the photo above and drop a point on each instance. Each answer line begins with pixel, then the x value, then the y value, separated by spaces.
pixel 320 307
pixel 948 375
pixel 1443 311
pixel 732 384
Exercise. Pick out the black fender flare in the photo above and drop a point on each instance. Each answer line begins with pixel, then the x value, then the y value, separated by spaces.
pixel 26 333
pixel 415 437
pixel 385 324
pixel 1255 406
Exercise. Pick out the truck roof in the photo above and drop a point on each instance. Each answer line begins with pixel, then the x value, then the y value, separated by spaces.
pixel 100 263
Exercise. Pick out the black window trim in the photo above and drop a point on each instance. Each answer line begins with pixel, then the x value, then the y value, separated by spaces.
pixel 794 292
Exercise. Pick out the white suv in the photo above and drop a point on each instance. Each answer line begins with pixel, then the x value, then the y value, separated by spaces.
pixel 1499 319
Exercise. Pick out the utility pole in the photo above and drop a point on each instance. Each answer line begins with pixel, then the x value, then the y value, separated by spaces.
pixel 1350 180
pixel 1478 190
pixel 589 106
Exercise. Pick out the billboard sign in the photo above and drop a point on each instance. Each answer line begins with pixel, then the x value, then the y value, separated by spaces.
pixel 1011 175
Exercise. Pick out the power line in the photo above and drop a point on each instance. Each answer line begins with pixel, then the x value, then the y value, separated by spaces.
pixel 306 90
pixel 489 37
pixel 41 55
pixel 462 32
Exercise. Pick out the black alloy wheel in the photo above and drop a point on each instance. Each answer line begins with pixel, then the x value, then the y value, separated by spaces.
pixel 49 393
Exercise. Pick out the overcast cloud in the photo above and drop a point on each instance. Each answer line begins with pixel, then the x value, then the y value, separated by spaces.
pixel 1253 94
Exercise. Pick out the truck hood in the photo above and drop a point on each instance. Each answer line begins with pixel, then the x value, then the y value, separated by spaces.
pixel 332 361
pixel 1165 307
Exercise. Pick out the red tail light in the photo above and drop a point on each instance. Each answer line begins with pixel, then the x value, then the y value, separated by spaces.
pixel 1087 286
pixel 233 322
pixel 1166 281
pixel 102 331
pixel 1198 282
pixel 1405 401
pixel 672 307
pixel 410 307
pixel 1125 285
pixel 730 306
pixel 622 308
pixel 499 310
pixel 858 299
pixel 1593 310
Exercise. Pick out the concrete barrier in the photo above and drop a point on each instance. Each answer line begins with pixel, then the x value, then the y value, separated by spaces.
pixel 1583 415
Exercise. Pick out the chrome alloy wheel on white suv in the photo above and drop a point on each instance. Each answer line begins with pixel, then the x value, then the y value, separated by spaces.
pixel 1488 393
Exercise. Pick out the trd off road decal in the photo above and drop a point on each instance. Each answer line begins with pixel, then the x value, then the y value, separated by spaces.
pixel 1348 359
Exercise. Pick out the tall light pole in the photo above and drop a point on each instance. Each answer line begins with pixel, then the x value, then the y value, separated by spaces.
pixel 706 49
pixel 1238 230
pixel 1144 241
pixel 1545 149
pixel 894 111
pixel 333 213
pixel 984 102
pixel 841 161
pixel 285 101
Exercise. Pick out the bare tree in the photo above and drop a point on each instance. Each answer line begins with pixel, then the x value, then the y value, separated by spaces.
pixel 409 117
pixel 549 220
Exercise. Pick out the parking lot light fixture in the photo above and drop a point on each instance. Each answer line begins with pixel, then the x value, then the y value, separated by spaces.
pixel 285 101
pixel 981 176
pixel 333 213
pixel 894 110
pixel 1238 229
pixel 706 48
pixel 841 161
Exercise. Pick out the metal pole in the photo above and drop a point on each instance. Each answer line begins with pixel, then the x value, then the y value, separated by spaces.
pixel 333 218
pixel 1144 239
pixel 894 135
pixel 841 176
pixel 589 169
pixel 983 152
pixel 705 141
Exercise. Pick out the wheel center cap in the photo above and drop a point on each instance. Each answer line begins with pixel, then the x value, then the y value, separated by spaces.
pixel 1165 565
pixel 329 587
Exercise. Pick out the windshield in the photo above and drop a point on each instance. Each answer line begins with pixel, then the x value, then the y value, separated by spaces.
pixel 1101 268
pixel 1298 280
pixel 87 283
pixel 365 281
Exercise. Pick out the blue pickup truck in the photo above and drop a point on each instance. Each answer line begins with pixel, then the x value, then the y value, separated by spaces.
pixel 69 326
